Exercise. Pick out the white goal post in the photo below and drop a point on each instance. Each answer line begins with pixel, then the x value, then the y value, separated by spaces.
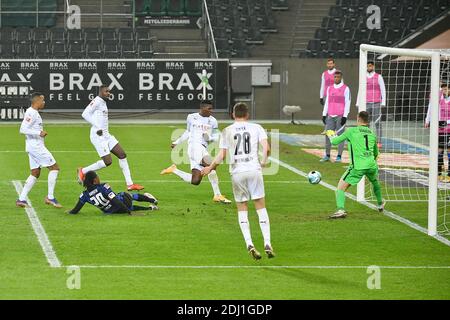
pixel 434 81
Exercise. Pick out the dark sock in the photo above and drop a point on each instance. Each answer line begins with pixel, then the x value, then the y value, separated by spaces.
pixel 440 162
pixel 142 198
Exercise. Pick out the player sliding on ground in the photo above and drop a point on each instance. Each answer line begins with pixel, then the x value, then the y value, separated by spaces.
pixel 363 149
pixel 241 141
pixel 101 195
pixel 38 154
pixel 96 113
pixel 202 129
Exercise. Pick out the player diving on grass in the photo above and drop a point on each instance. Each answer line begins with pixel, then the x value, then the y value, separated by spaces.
pixel 241 141
pixel 363 149
pixel 38 154
pixel 202 129
pixel 96 113
pixel 103 197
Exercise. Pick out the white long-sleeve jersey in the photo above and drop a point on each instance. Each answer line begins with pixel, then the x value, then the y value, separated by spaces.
pixel 96 113
pixel 31 127
pixel 200 129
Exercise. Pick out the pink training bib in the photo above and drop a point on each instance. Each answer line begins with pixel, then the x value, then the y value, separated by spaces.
pixel 373 94
pixel 336 101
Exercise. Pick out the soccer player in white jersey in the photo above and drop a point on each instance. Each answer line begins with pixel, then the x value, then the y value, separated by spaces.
pixel 96 113
pixel 202 129
pixel 38 154
pixel 241 140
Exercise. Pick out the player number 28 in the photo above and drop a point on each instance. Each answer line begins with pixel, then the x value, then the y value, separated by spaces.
pixel 239 137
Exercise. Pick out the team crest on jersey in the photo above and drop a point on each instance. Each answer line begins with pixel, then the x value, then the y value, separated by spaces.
pixel 28 119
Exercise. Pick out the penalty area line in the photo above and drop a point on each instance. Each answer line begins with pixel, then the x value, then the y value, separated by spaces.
pixel 39 230
pixel 367 204
pixel 251 267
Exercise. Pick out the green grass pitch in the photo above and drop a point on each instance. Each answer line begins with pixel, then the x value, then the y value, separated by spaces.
pixel 190 230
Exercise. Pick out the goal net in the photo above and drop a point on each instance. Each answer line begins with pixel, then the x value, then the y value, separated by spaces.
pixel 407 117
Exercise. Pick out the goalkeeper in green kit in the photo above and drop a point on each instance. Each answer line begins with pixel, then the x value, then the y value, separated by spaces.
pixel 363 150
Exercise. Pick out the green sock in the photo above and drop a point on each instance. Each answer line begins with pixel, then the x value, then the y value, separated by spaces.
pixel 340 199
pixel 377 191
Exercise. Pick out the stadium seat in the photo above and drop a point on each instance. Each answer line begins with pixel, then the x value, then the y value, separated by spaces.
pixel 23 34
pixel 91 34
pixel 93 49
pixel 126 34
pixel 128 48
pixel 7 50
pixel 59 50
pixel 24 50
pixel 145 48
pixel 41 34
pixel 75 35
pixel 176 7
pixel 109 34
pixel 143 33
pixel 76 50
pixel 7 34
pixel 58 35
pixel 42 50
pixel 193 7
pixel 156 7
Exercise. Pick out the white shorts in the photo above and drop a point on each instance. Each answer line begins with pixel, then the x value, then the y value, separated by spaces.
pixel 40 158
pixel 196 153
pixel 103 145
pixel 247 186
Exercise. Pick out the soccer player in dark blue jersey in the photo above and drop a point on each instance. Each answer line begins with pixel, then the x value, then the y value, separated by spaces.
pixel 101 195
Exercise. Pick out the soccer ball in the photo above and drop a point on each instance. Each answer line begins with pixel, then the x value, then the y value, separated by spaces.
pixel 314 177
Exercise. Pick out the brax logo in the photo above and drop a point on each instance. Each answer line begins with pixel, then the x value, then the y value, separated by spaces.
pixel 117 65
pixel 174 65
pixel 4 66
pixel 29 65
pixel 87 65
pixel 59 66
pixel 203 65
pixel 146 65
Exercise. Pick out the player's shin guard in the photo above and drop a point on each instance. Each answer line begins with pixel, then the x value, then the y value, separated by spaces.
pixel 187 177
pixel 94 167
pixel 340 199
pixel 123 163
pixel 264 224
pixel 52 176
pixel 377 191
pixel 31 180
pixel 214 179
pixel 245 227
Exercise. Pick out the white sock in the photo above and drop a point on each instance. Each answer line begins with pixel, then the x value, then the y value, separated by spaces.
pixel 52 176
pixel 264 224
pixel 94 167
pixel 123 163
pixel 245 227
pixel 214 179
pixel 183 175
pixel 31 180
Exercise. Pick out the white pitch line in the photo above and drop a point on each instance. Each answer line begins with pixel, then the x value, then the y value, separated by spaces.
pixel 39 230
pixel 368 204
pixel 252 267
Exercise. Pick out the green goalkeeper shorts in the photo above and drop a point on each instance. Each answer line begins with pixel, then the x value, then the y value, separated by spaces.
pixel 352 176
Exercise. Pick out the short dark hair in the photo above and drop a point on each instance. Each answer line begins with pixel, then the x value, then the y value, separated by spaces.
pixel 364 116
pixel 444 85
pixel 89 178
pixel 35 94
pixel 240 110
pixel 205 103
pixel 338 72
pixel 371 62
pixel 102 87
pixel 331 59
